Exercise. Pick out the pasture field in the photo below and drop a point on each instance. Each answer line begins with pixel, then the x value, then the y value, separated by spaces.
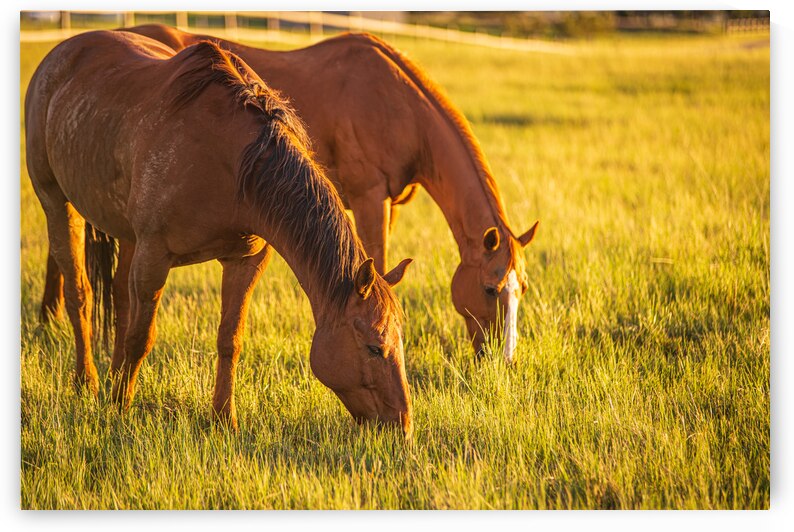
pixel 642 375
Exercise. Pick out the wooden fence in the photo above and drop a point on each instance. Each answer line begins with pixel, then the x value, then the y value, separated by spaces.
pixel 281 26
pixel 747 25
pixel 271 28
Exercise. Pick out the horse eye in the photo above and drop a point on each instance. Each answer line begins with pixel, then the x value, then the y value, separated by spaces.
pixel 491 291
pixel 375 351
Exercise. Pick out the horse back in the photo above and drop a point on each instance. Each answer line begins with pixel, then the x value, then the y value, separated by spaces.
pixel 103 126
pixel 171 37
pixel 83 63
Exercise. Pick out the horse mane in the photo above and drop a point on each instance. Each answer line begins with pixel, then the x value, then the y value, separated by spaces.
pixel 279 177
pixel 206 63
pixel 438 98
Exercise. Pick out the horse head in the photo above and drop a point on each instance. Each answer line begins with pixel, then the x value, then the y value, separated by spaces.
pixel 490 287
pixel 358 352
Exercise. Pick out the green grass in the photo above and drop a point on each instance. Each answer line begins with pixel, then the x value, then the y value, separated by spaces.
pixel 640 383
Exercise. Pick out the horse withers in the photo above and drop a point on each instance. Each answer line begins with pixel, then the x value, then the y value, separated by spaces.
pixel 188 157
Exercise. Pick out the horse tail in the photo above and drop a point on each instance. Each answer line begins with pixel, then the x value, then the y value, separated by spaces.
pixel 101 253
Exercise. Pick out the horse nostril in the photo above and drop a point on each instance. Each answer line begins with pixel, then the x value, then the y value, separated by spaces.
pixel 491 291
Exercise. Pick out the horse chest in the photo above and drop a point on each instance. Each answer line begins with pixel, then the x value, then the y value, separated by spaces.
pixel 221 249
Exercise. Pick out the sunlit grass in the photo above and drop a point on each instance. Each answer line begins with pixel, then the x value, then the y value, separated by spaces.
pixel 643 373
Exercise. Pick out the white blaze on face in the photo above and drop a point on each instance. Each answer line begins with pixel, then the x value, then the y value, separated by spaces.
pixel 511 315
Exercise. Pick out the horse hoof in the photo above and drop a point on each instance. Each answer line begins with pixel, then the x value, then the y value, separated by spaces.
pixel 226 420
pixel 88 382
pixel 50 315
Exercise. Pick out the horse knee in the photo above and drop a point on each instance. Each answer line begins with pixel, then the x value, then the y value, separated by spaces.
pixel 79 293
pixel 136 346
pixel 229 346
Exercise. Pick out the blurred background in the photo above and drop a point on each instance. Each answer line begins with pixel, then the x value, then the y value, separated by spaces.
pixel 459 26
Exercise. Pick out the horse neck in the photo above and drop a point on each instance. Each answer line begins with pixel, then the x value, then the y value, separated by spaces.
pixel 299 259
pixel 453 179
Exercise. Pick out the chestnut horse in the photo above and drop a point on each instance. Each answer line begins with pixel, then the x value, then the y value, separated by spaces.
pixel 190 157
pixel 381 127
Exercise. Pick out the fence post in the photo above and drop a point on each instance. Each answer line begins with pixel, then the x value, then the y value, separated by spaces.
pixel 66 20
pixel 272 25
pixel 230 21
pixel 230 24
pixel 181 19
pixel 129 19
pixel 316 23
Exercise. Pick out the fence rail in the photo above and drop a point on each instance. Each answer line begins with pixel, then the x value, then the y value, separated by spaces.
pixel 274 26
pixel 315 21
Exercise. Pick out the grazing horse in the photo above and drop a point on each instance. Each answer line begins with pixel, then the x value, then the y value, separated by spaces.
pixel 381 127
pixel 188 157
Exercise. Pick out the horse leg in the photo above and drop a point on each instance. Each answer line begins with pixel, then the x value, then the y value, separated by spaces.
pixel 404 197
pixel 147 275
pixel 51 301
pixel 239 278
pixel 66 229
pixel 372 212
pixel 392 218
pixel 121 302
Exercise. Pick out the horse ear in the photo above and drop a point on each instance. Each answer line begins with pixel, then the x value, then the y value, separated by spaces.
pixel 365 278
pixel 396 275
pixel 527 237
pixel 490 239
